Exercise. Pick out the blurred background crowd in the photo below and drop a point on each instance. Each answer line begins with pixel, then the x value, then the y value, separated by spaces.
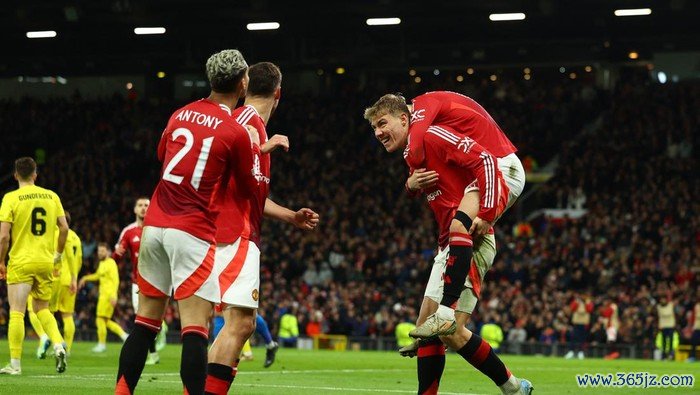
pixel 626 155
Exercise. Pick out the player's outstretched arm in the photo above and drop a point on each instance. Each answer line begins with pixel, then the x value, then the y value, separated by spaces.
pixel 305 218
pixel 5 228
pixel 276 141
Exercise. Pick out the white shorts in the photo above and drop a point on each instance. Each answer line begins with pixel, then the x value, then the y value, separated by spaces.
pixel 483 256
pixel 238 268
pixel 175 262
pixel 135 296
pixel 514 176
pixel 611 333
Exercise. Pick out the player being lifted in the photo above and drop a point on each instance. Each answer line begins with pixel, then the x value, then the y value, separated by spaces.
pixel 107 274
pixel 28 216
pixel 238 233
pixel 130 240
pixel 461 181
pixel 63 294
pixel 201 148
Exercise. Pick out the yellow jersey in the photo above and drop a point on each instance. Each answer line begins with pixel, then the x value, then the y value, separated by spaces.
pixel 108 275
pixel 72 259
pixel 33 212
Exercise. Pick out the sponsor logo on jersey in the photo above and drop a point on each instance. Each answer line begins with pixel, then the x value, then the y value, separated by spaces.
pixel 418 115
pixel 433 195
pixel 257 173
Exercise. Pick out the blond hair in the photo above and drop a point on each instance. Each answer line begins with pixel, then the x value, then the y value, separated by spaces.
pixel 393 104
pixel 225 70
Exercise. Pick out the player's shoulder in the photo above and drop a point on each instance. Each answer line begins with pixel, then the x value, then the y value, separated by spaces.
pixel 441 136
pixel 74 236
pixel 248 115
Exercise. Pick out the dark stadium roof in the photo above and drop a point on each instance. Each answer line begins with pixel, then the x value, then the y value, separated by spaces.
pixel 96 37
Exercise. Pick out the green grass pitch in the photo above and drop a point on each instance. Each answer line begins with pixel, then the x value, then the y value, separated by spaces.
pixel 327 372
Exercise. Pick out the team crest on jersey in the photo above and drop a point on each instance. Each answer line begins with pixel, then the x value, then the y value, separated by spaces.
pixel 465 144
pixel 255 295
pixel 418 115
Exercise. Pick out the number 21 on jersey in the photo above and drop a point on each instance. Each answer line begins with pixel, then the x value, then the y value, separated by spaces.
pixel 201 160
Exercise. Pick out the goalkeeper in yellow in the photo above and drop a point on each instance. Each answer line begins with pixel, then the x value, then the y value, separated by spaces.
pixel 63 293
pixel 107 275
pixel 30 216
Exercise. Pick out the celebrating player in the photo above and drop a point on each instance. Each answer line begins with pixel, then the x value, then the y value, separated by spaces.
pixel 130 240
pixel 470 120
pixel 63 293
pixel 201 148
pixel 107 275
pixel 28 216
pixel 469 186
pixel 238 234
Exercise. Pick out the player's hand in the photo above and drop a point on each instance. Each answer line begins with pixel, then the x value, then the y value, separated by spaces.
pixel 81 283
pixel 113 302
pixel 276 141
pixel 254 135
pixel 119 250
pixel 73 287
pixel 422 179
pixel 479 227
pixel 56 270
pixel 306 219
pixel 3 271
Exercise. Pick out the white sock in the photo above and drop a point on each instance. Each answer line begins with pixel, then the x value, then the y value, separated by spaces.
pixel 510 386
pixel 125 336
pixel 43 338
pixel 15 363
pixel 446 313
pixel 58 347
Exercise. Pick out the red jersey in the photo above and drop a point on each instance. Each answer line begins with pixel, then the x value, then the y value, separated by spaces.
pixel 201 147
pixel 462 114
pixel 130 240
pixel 459 161
pixel 241 217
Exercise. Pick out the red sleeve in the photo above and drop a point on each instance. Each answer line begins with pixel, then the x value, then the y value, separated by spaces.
pixel 573 306
pixel 589 307
pixel 246 162
pixel 607 312
pixel 425 110
pixel 122 242
pixel 470 155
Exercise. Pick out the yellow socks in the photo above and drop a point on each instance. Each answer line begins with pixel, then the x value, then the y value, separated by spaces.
pixel 101 330
pixel 116 329
pixel 68 330
pixel 48 322
pixel 15 334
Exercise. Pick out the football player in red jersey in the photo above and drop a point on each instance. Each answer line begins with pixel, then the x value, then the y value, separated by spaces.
pixel 238 233
pixel 201 148
pixel 461 181
pixel 130 240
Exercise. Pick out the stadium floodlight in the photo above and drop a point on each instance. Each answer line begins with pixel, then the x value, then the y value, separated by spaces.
pixel 263 26
pixel 633 12
pixel 42 34
pixel 149 30
pixel 513 16
pixel 383 21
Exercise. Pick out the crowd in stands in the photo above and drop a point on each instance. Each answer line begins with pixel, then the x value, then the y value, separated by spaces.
pixel 364 269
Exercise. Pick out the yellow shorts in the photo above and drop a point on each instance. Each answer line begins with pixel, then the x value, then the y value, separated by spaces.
pixel 63 300
pixel 104 307
pixel 39 275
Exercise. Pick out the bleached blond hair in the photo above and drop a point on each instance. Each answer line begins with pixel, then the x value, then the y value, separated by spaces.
pixel 225 70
